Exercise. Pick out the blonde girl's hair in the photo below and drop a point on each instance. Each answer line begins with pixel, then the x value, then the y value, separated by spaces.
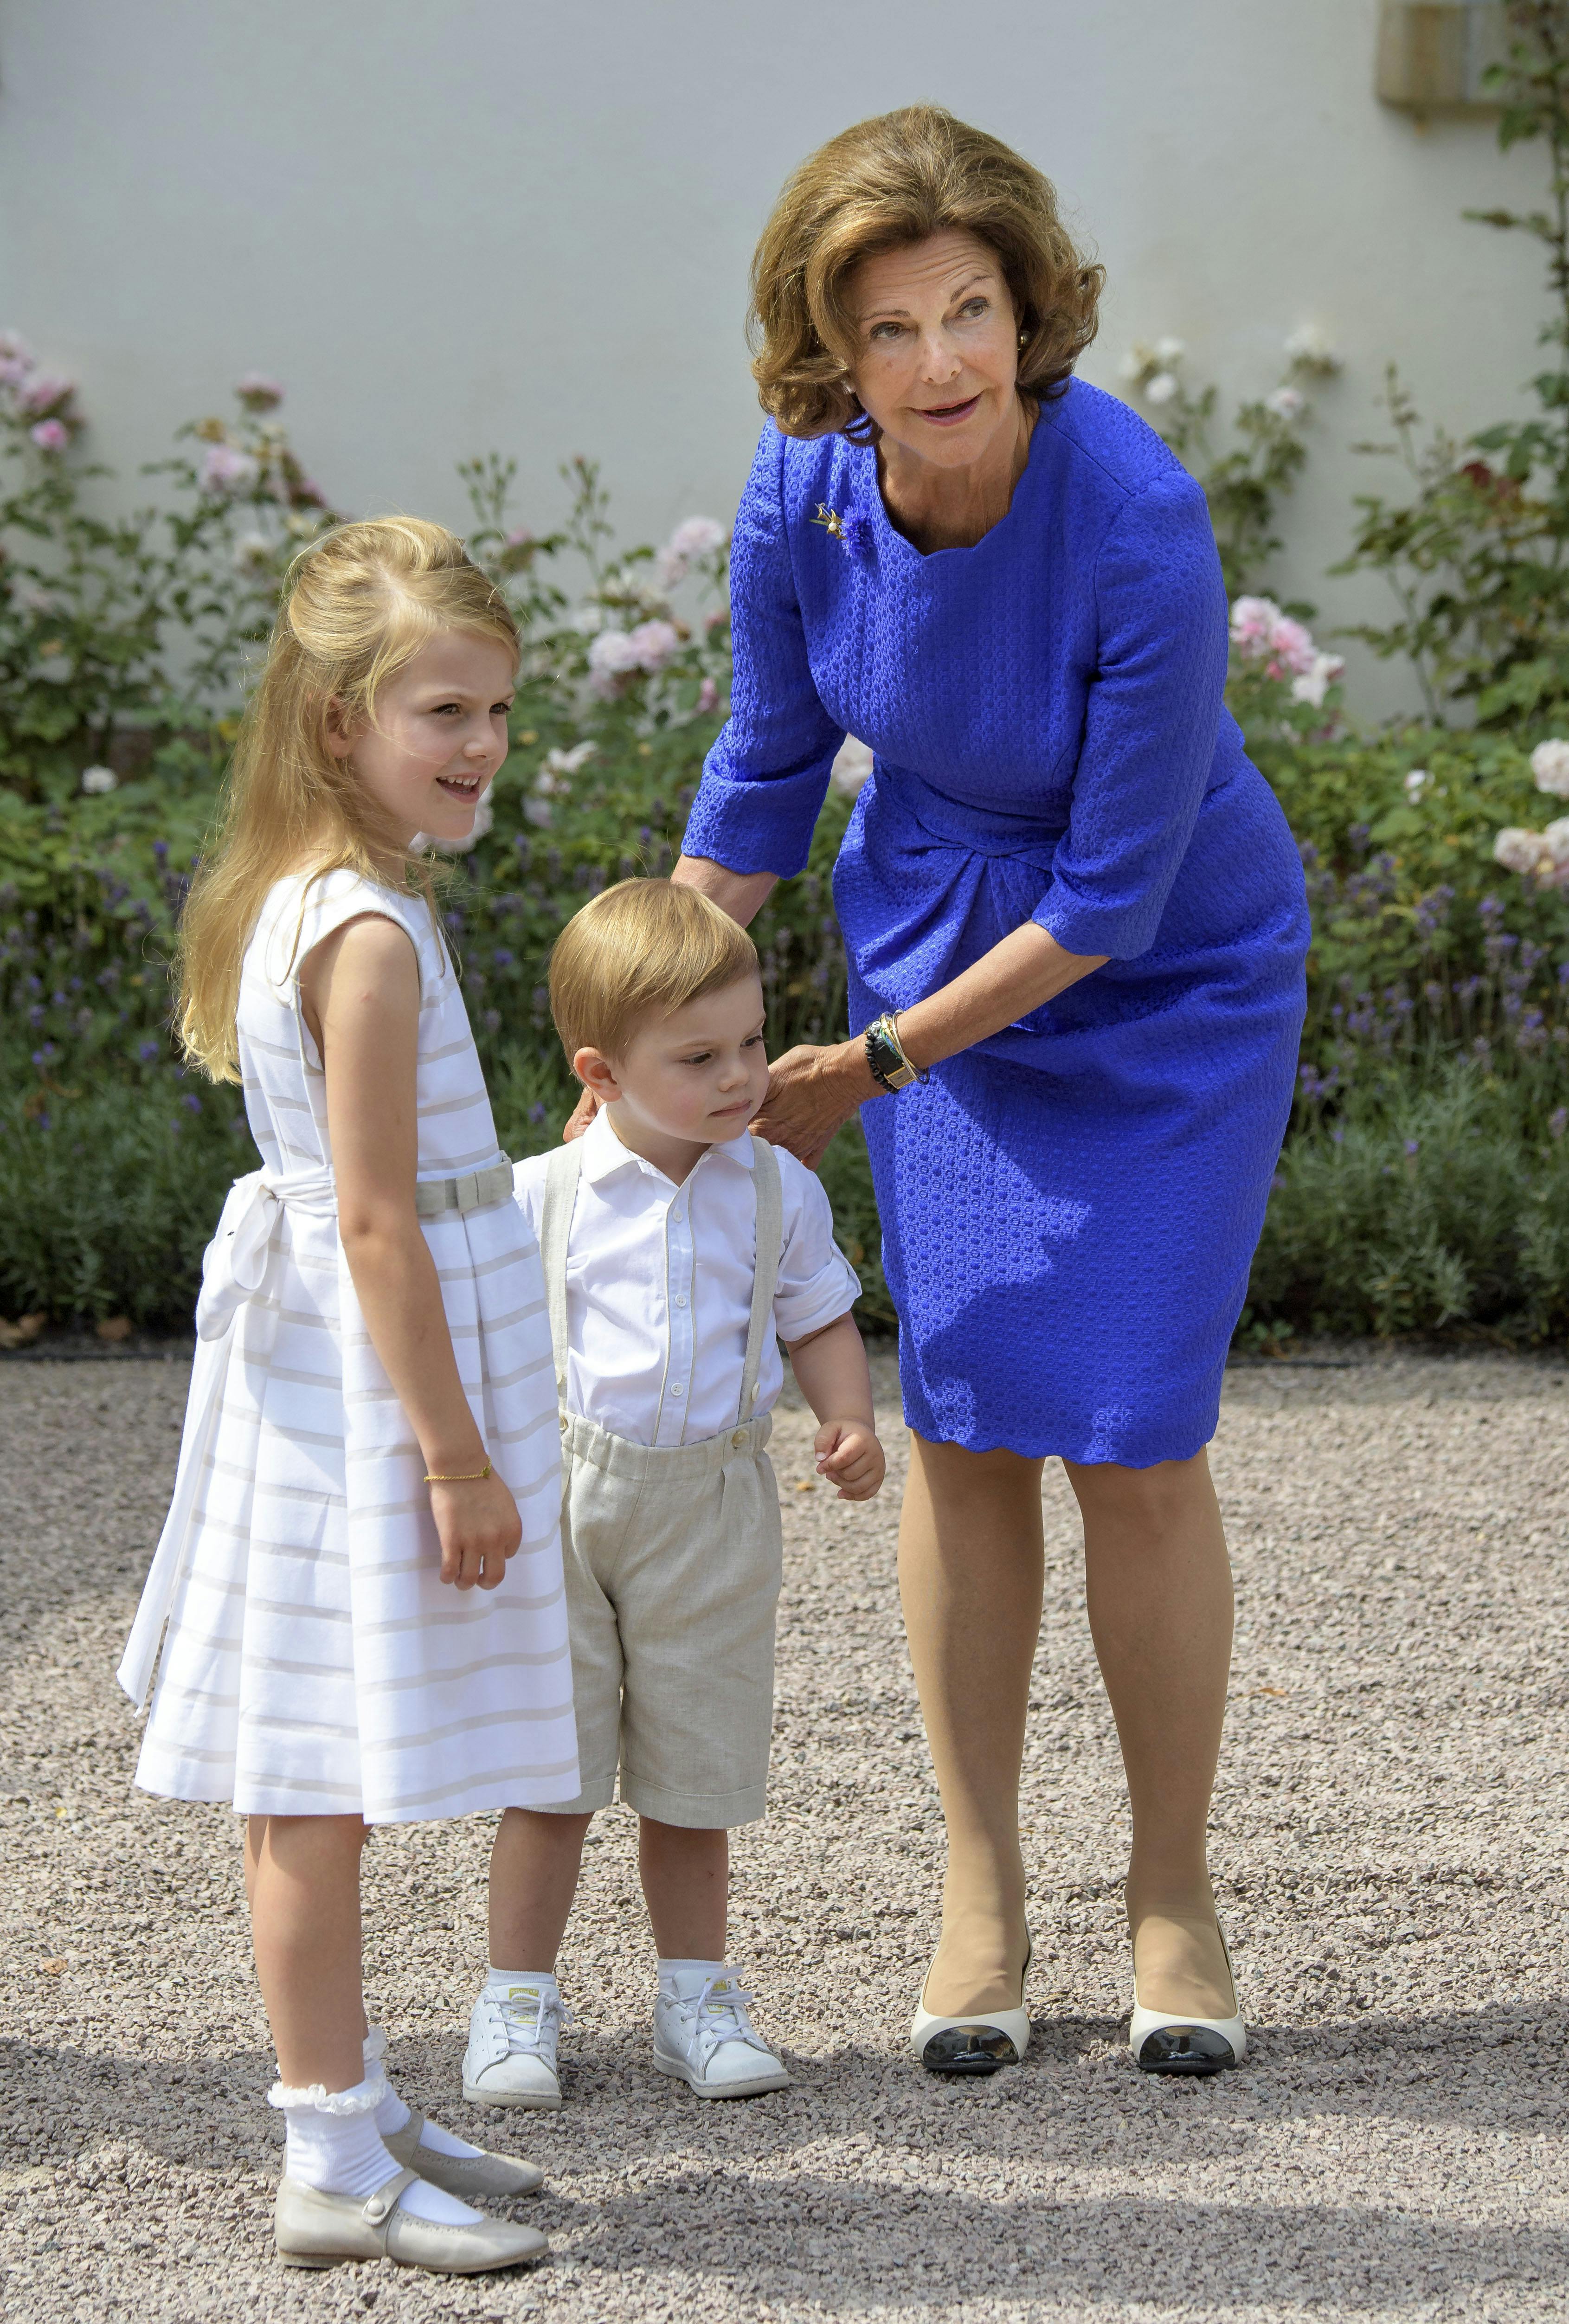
pixel 640 947
pixel 884 185
pixel 358 606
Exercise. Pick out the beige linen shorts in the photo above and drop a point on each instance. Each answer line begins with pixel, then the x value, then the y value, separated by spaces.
pixel 672 1561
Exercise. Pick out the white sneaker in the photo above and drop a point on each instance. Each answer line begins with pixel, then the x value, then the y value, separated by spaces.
pixel 511 2058
pixel 706 2038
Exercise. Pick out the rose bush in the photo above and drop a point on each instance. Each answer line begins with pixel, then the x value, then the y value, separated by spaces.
pixel 1425 1183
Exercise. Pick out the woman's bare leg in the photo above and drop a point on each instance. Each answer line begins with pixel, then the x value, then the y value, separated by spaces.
pixel 1159 1584
pixel 969 1568
pixel 302 1878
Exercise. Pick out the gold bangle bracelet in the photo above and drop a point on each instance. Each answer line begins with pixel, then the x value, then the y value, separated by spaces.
pixel 459 1476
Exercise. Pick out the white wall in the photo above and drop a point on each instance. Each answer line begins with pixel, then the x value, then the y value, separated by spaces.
pixel 451 225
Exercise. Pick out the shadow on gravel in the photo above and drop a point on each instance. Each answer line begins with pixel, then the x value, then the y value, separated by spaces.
pixel 894 2235
pixel 1478 2067
pixel 54 2103
pixel 887 2245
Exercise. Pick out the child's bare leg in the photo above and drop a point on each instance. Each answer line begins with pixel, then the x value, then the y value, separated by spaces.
pixel 686 1883
pixel 533 1878
pixel 302 1877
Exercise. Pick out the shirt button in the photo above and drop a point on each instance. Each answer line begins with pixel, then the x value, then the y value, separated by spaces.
pixel 680 1298
pixel 677 1389
pixel 739 1437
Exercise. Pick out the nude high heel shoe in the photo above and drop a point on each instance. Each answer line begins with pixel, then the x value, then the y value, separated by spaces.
pixel 978 2044
pixel 1164 2044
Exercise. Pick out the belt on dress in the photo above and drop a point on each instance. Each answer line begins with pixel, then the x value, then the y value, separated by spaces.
pixel 234 1267
pixel 476 1190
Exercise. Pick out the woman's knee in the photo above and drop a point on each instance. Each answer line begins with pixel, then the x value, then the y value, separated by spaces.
pixel 967 1481
pixel 1156 1500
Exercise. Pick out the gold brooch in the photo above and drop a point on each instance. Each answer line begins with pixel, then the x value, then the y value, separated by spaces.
pixel 849 528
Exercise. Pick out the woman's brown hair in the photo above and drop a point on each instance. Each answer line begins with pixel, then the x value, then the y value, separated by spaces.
pixel 889 182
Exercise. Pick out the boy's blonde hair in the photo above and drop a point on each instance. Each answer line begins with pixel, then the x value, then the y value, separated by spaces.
pixel 641 946
pixel 359 604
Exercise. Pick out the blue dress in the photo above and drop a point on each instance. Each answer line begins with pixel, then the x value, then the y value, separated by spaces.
pixel 1070 1209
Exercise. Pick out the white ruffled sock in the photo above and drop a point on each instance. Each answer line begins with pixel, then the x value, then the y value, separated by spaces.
pixel 333 2144
pixel 392 2115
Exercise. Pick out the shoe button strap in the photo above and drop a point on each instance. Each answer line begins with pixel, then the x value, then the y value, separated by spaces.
pixel 385 2200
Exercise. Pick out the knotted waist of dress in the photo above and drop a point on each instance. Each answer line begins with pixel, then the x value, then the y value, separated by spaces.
pixel 925 884
pixel 233 1269
pixel 898 795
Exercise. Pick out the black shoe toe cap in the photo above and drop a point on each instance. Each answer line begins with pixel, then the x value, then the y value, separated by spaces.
pixel 1186 2050
pixel 978 2048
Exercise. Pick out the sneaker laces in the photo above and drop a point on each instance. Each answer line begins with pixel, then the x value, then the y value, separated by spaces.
pixel 525 2025
pixel 721 2017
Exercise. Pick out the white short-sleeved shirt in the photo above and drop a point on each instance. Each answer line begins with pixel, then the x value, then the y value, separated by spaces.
pixel 659 1283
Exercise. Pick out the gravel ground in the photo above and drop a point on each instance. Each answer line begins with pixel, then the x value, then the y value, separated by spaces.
pixel 1388 1835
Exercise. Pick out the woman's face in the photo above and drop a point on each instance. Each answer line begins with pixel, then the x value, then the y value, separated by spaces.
pixel 938 341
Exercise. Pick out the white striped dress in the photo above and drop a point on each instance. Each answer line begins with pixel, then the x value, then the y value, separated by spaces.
pixel 314 1661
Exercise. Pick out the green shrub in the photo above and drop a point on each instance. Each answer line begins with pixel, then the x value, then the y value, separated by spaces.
pixel 1429 1201
pixel 100 1121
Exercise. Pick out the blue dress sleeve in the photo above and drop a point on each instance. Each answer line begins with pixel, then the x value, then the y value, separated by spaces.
pixel 765 779
pixel 1150 725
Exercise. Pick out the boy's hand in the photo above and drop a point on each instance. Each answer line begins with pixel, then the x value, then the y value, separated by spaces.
pixel 479 1529
pixel 850 1456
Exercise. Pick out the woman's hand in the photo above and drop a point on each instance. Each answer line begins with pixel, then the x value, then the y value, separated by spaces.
pixel 479 1528
pixel 811 1094
pixel 581 1115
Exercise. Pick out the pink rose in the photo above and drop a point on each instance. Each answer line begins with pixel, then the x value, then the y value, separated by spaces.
pixel 44 392
pixel 696 536
pixel 708 696
pixel 227 470
pixel 259 393
pixel 1253 619
pixel 653 643
pixel 1291 649
pixel 50 435
pixel 612 657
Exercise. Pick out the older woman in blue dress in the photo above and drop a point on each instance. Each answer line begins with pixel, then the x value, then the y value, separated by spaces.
pixel 1076 924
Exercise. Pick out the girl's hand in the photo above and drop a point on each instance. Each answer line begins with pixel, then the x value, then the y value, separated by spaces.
pixel 582 1114
pixel 850 1456
pixel 812 1093
pixel 479 1529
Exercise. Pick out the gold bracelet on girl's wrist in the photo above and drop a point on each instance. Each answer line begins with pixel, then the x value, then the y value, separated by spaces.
pixel 459 1476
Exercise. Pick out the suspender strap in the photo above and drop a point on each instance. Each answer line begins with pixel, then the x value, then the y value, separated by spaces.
pixel 561 1175
pixel 765 1280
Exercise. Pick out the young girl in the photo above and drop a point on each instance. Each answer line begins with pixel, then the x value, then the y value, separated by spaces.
pixel 371 1428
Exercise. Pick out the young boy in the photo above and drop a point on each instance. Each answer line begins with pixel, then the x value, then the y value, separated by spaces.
pixel 675 1248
